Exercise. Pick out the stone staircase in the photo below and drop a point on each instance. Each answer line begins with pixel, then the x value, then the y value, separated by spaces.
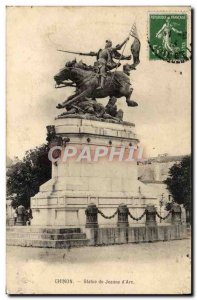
pixel 43 237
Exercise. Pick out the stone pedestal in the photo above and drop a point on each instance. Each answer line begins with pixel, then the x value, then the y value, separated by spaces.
pixel 21 217
pixel 62 200
pixel 123 216
pixel 176 214
pixel 151 215
pixel 91 216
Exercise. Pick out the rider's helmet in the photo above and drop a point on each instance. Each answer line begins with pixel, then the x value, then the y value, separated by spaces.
pixel 108 43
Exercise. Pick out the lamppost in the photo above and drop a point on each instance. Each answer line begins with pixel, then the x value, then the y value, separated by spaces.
pixel 161 202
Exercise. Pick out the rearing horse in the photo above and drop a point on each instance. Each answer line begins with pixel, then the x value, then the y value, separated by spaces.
pixel 86 81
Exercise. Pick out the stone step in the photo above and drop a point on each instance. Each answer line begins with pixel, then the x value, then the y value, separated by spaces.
pixel 48 230
pixel 45 236
pixel 41 243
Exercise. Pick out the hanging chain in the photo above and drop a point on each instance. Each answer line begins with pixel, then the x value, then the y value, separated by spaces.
pixel 136 219
pixel 108 217
pixel 163 218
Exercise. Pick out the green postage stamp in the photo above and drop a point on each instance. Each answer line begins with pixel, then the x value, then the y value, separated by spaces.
pixel 168 37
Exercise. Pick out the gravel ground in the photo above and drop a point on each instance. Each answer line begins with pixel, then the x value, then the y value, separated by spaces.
pixel 149 268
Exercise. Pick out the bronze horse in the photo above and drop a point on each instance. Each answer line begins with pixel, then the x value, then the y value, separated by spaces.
pixel 86 80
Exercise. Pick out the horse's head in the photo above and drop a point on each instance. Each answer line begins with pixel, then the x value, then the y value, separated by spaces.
pixel 64 74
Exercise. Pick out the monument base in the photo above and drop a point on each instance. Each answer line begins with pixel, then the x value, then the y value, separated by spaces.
pixel 54 237
pixel 75 183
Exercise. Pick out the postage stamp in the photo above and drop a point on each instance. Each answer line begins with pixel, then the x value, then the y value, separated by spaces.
pixel 168 37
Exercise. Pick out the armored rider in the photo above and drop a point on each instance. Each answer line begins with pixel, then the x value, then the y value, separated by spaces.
pixel 105 59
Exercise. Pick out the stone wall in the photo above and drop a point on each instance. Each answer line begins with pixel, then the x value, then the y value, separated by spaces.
pixel 111 236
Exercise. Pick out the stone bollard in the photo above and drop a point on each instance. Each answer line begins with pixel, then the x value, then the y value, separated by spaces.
pixel 91 216
pixel 176 214
pixel 151 215
pixel 21 216
pixel 123 216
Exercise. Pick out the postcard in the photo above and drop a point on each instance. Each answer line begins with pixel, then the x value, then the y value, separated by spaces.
pixel 98 167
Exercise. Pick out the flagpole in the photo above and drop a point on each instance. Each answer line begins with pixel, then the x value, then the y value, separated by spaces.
pixel 124 47
pixel 122 53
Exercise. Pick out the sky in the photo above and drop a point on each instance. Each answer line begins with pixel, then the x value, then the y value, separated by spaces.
pixel 162 90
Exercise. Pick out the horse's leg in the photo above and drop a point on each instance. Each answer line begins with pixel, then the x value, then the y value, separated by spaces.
pixel 80 96
pixel 73 98
pixel 129 101
pixel 63 104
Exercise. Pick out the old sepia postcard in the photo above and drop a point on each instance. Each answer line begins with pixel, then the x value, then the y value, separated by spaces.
pixel 98 150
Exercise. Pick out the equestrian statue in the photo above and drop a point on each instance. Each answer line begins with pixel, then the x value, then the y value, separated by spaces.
pixel 100 80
